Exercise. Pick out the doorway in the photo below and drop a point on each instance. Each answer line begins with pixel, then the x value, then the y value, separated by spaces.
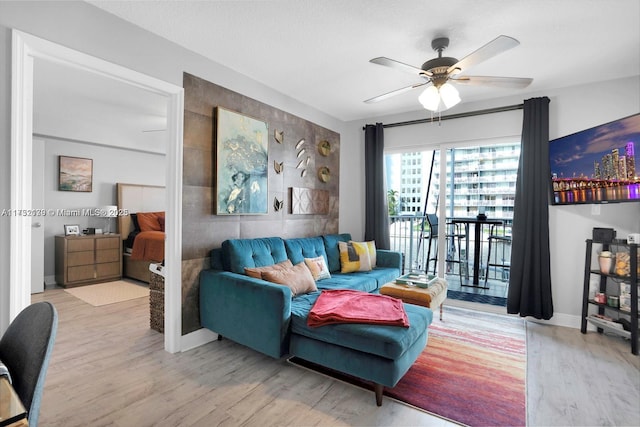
pixel 26 48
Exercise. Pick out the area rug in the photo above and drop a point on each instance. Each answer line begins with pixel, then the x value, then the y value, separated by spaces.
pixel 109 292
pixel 473 370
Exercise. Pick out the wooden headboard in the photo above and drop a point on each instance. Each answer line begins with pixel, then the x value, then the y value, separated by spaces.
pixel 138 198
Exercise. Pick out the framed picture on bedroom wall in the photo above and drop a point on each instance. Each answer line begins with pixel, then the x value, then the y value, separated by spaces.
pixel 242 144
pixel 75 174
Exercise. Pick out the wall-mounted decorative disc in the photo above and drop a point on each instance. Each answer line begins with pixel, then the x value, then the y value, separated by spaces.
pixel 324 147
pixel 324 174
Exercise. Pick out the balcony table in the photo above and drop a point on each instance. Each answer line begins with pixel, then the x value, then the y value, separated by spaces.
pixel 478 224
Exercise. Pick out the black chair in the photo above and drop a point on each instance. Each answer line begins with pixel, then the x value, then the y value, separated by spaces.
pixel 505 264
pixel 25 349
pixel 451 238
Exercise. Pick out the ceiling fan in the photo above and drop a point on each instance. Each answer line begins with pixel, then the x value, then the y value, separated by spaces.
pixel 438 73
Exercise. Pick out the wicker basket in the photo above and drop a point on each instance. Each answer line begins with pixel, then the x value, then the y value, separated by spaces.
pixel 156 302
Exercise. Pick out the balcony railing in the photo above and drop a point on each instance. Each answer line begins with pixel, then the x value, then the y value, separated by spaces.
pixel 410 235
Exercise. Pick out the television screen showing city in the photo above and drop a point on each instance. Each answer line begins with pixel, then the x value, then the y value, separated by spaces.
pixel 597 165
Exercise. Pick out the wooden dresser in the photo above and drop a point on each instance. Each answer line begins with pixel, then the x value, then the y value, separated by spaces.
pixel 83 260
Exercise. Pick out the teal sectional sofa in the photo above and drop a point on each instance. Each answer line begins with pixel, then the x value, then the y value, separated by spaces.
pixel 265 317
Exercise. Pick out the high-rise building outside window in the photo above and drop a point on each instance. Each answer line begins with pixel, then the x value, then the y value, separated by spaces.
pixel 480 176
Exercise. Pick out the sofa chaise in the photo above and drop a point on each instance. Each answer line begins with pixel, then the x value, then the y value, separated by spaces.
pixel 266 316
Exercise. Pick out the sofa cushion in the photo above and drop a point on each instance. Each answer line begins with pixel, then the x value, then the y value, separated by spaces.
pixel 256 272
pixel 259 252
pixel 385 341
pixel 297 278
pixel 356 281
pixel 304 247
pixel 332 251
pixel 318 268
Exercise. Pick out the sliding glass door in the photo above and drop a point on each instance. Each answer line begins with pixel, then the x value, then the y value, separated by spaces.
pixel 427 187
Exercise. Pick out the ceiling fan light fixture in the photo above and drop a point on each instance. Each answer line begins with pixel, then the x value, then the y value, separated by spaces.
pixel 439 99
pixel 430 98
pixel 449 95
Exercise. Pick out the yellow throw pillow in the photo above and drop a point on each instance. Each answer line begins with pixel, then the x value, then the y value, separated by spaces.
pixel 256 272
pixel 354 256
pixel 318 268
pixel 371 249
pixel 298 278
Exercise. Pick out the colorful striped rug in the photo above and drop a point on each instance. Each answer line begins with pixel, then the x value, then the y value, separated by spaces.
pixel 473 370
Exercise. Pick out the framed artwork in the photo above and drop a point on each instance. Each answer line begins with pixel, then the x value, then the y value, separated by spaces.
pixel 72 230
pixel 75 174
pixel 242 144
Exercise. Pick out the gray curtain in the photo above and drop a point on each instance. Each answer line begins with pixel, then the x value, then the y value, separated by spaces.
pixel 376 222
pixel 530 278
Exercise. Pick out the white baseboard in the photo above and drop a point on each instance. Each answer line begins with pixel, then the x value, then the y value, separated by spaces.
pixel 558 319
pixel 196 339
pixel 561 319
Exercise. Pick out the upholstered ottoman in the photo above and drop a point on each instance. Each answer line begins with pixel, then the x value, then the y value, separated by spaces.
pixel 431 297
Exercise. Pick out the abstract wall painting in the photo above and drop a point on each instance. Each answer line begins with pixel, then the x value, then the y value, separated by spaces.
pixel 242 144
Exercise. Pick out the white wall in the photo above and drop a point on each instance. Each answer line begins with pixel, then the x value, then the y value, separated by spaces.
pixel 571 109
pixel 83 27
pixel 110 166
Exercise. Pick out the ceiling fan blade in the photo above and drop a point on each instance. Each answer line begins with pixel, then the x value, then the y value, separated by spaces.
pixel 507 82
pixel 394 93
pixel 489 50
pixel 387 62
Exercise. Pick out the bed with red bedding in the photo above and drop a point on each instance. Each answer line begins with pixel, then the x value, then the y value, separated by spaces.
pixel 142 230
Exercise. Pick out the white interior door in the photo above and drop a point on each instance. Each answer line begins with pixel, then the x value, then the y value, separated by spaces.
pixel 37 221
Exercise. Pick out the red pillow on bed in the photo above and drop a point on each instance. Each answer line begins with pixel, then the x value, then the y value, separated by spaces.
pixel 149 221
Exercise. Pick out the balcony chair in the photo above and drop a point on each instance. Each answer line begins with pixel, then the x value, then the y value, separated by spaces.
pixel 25 349
pixel 504 264
pixel 432 219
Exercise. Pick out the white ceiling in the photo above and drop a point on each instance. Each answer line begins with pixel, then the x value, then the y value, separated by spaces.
pixel 317 51
pixel 77 105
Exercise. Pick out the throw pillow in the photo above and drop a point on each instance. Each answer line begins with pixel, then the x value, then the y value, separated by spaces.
pixel 371 249
pixel 148 221
pixel 318 268
pixel 354 257
pixel 298 278
pixel 256 272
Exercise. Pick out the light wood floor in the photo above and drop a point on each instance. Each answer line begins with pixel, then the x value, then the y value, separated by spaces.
pixel 109 369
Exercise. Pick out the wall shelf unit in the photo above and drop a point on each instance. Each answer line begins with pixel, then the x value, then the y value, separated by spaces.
pixel 621 284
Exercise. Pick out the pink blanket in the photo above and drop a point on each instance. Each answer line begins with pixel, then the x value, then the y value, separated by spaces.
pixel 348 306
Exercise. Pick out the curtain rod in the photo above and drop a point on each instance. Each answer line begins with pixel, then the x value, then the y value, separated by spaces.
pixel 456 116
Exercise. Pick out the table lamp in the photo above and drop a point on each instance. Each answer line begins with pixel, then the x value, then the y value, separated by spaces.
pixel 108 212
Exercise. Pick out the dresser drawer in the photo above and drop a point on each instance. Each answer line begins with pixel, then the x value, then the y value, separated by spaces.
pixel 79 244
pixel 108 269
pixel 107 255
pixel 80 258
pixel 108 243
pixel 83 272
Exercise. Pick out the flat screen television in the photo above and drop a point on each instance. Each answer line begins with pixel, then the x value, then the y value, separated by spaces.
pixel 597 165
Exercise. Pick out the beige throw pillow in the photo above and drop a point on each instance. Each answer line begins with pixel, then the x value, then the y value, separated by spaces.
pixel 298 278
pixel 318 268
pixel 256 272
